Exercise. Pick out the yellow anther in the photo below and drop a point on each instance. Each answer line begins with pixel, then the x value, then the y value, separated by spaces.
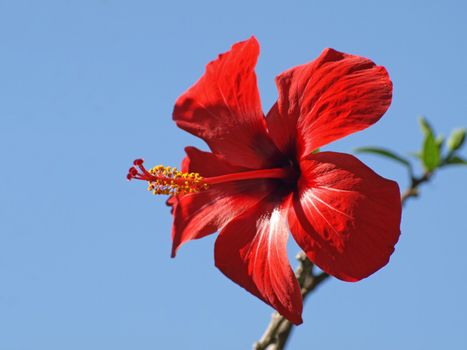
pixel 170 181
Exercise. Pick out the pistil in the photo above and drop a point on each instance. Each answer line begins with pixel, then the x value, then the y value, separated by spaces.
pixel 170 181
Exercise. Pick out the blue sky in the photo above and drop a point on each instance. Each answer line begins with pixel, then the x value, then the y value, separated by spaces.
pixel 87 86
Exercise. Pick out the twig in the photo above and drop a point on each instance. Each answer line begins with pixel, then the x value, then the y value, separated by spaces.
pixel 279 329
pixel 412 191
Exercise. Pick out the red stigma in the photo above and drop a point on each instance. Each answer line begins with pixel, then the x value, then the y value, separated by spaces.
pixel 139 174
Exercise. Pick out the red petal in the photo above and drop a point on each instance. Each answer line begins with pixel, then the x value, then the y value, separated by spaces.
pixel 208 164
pixel 324 100
pixel 224 109
pixel 251 250
pixel 345 216
pixel 199 214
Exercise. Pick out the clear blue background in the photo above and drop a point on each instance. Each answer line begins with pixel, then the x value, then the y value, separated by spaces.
pixel 87 86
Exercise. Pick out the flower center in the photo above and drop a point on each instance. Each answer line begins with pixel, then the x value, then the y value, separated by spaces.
pixel 170 181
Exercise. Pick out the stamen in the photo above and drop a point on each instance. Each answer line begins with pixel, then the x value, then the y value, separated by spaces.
pixel 166 180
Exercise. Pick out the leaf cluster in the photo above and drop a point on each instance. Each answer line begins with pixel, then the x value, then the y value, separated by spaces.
pixel 435 151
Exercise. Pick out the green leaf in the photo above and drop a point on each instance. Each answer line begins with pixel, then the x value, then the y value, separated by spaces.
pixel 385 153
pixel 456 140
pixel 425 126
pixel 431 155
pixel 456 160
pixel 440 141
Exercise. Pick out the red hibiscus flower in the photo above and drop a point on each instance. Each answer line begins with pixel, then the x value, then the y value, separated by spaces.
pixel 264 174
